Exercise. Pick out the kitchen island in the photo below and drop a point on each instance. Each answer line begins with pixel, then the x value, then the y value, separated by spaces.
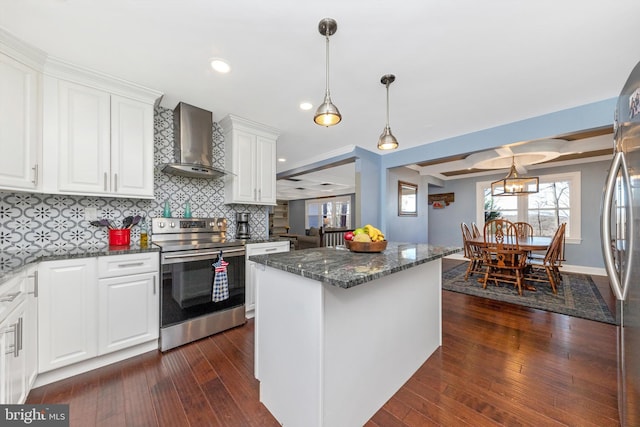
pixel 338 332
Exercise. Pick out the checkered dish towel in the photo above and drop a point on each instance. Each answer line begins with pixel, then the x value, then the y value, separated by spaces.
pixel 220 281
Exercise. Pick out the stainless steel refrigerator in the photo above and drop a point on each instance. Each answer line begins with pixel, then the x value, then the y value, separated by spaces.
pixel 620 232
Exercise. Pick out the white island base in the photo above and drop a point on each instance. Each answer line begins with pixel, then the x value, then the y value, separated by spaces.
pixel 330 356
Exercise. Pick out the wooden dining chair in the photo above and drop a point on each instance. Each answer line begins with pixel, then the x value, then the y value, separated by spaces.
pixel 474 230
pixel 503 258
pixel 496 226
pixel 472 252
pixel 523 229
pixel 547 269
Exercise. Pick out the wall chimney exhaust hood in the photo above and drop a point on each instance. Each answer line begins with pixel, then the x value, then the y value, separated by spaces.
pixel 193 144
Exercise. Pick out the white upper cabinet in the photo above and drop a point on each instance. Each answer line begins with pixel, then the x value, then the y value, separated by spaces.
pixel 250 153
pixel 101 133
pixel 20 114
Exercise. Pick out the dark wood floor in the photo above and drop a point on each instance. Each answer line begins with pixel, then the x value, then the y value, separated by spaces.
pixel 499 364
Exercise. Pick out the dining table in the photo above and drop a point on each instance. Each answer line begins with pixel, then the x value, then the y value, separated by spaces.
pixel 529 243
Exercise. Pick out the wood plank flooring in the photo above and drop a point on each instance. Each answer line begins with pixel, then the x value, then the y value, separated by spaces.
pixel 499 364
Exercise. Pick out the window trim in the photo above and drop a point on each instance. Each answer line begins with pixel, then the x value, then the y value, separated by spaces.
pixel 322 200
pixel 574 202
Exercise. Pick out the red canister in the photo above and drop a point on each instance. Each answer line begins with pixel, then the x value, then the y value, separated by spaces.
pixel 120 237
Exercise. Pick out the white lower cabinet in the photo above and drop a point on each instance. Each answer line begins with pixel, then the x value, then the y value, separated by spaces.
pixel 258 249
pixel 13 357
pixel 13 387
pixel 67 312
pixel 30 327
pixel 95 307
pixel 128 308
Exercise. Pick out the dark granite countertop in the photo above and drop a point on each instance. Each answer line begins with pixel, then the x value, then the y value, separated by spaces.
pixel 13 262
pixel 340 267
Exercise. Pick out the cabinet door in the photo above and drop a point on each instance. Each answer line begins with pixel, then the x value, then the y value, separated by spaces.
pixel 20 131
pixel 30 331
pixel 67 306
pixel 131 147
pixel 258 249
pixel 128 311
pixel 266 170
pixel 84 128
pixel 244 147
pixel 13 366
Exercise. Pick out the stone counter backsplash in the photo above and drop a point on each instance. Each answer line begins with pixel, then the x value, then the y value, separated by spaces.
pixel 32 221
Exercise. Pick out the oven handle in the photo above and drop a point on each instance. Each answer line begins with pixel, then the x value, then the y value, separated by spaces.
pixel 203 255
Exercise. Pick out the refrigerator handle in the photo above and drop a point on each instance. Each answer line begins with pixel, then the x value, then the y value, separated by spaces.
pixel 618 288
pixel 629 227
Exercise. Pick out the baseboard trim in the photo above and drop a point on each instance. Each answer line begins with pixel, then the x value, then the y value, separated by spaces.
pixel 94 363
pixel 568 268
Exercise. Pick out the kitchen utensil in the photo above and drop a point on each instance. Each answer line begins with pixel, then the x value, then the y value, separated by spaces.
pixel 126 223
pixel 95 223
pixel 104 223
pixel 135 220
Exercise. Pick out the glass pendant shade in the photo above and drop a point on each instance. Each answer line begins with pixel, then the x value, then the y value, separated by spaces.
pixel 513 185
pixel 327 114
pixel 387 141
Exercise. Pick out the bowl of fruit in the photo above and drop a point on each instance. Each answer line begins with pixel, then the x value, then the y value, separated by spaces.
pixel 365 239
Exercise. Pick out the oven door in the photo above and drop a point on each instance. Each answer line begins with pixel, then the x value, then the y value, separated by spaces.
pixel 187 283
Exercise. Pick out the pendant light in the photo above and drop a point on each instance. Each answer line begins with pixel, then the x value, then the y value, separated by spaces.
pixel 387 141
pixel 327 114
pixel 514 185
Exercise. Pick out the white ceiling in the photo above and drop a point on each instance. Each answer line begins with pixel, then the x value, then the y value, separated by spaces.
pixel 460 65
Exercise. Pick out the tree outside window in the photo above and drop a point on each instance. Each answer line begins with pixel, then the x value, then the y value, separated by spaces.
pixel 557 202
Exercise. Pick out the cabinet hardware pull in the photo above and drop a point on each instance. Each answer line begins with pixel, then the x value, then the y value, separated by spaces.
pixel 224 252
pixel 271 249
pixel 115 178
pixel 19 336
pixel 105 181
pixel 131 264
pixel 154 285
pixel 35 174
pixel 15 330
pixel 35 284
pixel 260 195
pixel 10 297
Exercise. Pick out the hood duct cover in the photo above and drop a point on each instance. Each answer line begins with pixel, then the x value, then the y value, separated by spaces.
pixel 192 144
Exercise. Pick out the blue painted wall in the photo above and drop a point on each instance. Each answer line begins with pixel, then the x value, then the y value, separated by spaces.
pixel 405 228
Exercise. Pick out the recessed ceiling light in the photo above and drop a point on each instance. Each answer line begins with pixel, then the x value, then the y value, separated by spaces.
pixel 282 159
pixel 220 65
pixel 306 106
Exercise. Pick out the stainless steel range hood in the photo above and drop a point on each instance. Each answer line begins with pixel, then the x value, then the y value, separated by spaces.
pixel 193 144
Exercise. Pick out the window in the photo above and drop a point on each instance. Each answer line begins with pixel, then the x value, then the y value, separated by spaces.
pixel 557 201
pixel 332 212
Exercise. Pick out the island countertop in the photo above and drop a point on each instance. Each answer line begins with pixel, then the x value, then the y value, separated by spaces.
pixel 340 267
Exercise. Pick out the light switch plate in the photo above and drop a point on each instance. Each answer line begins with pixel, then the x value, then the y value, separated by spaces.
pixel 90 214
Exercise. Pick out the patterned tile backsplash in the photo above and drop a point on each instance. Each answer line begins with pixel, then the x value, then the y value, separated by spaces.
pixel 31 221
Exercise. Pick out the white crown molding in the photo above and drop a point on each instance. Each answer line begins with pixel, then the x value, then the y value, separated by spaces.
pixel 21 51
pixel 60 69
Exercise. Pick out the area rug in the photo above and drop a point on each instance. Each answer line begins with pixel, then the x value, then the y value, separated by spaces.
pixel 577 295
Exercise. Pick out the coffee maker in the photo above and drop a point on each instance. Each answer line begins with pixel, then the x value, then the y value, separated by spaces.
pixel 242 225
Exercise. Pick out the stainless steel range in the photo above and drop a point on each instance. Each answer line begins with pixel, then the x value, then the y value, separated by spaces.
pixel 190 309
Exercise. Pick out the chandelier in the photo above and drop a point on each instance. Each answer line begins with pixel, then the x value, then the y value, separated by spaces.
pixel 514 185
